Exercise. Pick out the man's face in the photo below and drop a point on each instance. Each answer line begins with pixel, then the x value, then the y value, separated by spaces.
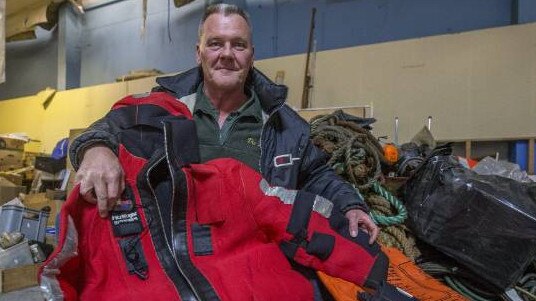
pixel 225 52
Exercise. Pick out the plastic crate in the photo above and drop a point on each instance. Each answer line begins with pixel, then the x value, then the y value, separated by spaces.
pixel 15 256
pixel 31 223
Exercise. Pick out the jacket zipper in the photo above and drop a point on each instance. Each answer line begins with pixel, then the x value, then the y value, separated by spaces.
pixel 262 134
pixel 162 225
pixel 192 287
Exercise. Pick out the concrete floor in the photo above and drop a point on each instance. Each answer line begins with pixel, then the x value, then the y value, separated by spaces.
pixel 27 294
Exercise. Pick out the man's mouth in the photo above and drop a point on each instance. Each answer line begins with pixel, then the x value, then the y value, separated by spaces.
pixel 226 68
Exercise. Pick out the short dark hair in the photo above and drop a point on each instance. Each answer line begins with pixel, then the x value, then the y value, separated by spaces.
pixel 224 9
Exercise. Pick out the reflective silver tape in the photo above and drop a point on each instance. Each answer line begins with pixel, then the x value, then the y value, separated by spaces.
pixel 321 205
pixel 287 196
pixel 50 287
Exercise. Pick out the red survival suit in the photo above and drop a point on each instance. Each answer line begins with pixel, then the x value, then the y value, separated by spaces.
pixel 213 231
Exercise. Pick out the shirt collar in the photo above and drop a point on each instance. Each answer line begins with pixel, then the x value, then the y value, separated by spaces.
pixel 251 107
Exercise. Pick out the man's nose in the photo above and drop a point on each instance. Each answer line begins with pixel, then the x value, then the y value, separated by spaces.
pixel 227 50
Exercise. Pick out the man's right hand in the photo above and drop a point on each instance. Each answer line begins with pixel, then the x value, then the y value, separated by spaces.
pixel 101 178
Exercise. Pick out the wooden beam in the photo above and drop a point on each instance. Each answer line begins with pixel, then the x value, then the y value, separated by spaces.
pixel 307 114
pixel 468 149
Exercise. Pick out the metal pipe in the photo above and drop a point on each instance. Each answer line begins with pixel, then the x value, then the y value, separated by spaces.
pixel 396 131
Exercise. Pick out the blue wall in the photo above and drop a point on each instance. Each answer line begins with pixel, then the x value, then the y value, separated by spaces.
pixel 112 43
pixel 342 23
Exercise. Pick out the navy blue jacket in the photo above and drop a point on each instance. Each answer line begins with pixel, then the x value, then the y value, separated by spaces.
pixel 288 158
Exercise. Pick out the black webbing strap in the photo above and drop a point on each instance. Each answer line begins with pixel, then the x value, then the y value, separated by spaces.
pixel 386 292
pixel 127 228
pixel 320 245
pixel 202 239
pixel 182 145
pixel 301 212
pixel 133 255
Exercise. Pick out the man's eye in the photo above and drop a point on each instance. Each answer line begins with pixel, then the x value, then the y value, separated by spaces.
pixel 240 46
pixel 214 44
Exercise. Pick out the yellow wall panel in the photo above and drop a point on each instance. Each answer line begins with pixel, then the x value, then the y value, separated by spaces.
pixel 22 115
pixel 141 85
pixel 77 108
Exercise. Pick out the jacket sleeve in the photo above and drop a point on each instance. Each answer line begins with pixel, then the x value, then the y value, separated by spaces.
pixel 319 178
pixel 102 132
pixel 298 222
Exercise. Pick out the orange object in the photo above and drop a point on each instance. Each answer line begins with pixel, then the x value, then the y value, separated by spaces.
pixel 390 152
pixel 403 273
pixel 467 162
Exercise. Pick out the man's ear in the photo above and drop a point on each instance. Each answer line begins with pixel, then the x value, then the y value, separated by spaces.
pixel 252 56
pixel 198 54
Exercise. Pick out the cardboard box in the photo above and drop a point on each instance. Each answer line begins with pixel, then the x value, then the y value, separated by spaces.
pixel 55 194
pixel 12 177
pixel 37 201
pixel 12 143
pixel 18 278
pixel 35 198
pixel 28 158
pixel 10 159
pixel 9 191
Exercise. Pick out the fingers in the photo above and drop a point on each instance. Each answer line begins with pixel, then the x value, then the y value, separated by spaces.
pixel 115 187
pixel 353 223
pixel 101 179
pixel 358 218
pixel 101 191
pixel 372 228
pixel 86 189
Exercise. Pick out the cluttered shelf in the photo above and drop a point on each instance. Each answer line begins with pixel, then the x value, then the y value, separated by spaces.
pixel 519 150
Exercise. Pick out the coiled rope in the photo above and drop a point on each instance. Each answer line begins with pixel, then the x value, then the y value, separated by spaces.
pixel 454 278
pixel 389 220
pixel 526 286
pixel 356 155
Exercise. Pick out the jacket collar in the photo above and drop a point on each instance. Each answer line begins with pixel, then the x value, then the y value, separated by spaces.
pixel 271 95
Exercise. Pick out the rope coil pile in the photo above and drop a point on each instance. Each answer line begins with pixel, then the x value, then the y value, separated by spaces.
pixel 357 156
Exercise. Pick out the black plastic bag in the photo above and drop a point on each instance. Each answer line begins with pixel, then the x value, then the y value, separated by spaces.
pixel 486 223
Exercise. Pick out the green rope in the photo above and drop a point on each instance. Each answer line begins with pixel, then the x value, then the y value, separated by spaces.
pixel 384 220
pixel 460 288
pixel 527 285
pixel 525 292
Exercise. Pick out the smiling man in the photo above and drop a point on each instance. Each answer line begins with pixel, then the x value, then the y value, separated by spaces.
pixel 239 113
pixel 225 55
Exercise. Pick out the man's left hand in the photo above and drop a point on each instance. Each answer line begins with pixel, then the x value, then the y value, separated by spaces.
pixel 359 218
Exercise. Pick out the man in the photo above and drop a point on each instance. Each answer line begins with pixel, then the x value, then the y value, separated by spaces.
pixel 215 231
pixel 239 113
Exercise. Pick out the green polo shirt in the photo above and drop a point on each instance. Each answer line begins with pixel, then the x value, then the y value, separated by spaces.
pixel 239 136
